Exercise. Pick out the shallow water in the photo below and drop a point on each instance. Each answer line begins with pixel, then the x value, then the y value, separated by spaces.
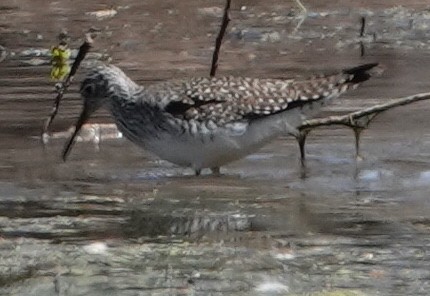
pixel 115 220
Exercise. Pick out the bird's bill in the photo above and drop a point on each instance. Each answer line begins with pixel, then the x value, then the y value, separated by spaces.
pixel 82 119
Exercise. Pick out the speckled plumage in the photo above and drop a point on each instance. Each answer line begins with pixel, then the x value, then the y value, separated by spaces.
pixel 207 122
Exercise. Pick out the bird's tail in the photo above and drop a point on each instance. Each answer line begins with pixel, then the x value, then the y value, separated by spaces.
pixel 318 91
pixel 360 73
pixel 326 87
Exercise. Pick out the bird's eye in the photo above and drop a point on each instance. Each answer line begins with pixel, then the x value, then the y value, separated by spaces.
pixel 87 90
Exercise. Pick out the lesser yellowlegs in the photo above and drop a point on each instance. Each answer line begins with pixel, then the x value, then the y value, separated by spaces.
pixel 208 122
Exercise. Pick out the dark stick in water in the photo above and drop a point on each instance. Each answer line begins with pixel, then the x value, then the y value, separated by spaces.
pixel 83 50
pixel 218 41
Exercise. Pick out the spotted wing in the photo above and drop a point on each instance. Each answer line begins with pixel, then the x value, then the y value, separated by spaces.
pixel 229 99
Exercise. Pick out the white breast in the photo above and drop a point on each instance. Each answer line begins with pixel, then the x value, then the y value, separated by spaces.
pixel 222 145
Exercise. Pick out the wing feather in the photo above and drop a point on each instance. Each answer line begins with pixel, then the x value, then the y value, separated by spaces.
pixel 227 99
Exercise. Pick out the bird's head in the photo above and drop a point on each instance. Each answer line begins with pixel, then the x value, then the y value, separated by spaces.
pixel 98 88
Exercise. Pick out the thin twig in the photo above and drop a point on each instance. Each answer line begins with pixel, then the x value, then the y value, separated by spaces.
pixel 302 7
pixel 358 121
pixel 218 41
pixel 362 49
pixel 303 15
pixel 362 32
pixel 83 50
pixel 363 26
pixel 353 119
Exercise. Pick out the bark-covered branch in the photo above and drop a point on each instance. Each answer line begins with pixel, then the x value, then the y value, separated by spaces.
pixel 218 41
pixel 361 118
pixel 358 120
pixel 61 90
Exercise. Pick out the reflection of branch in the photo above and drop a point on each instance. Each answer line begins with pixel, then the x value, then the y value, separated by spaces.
pixel 358 120
pixel 224 24
pixel 83 50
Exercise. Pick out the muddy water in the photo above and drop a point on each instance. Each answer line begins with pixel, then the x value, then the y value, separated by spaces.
pixel 115 220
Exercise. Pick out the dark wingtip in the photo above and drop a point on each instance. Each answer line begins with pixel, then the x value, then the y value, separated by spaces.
pixel 360 72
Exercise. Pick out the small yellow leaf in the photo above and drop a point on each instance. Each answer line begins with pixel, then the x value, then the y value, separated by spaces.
pixel 60 52
pixel 59 72
pixel 60 62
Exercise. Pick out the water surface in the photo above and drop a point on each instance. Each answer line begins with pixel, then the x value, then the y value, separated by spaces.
pixel 115 220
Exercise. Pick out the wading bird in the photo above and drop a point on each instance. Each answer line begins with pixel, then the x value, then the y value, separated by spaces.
pixel 208 122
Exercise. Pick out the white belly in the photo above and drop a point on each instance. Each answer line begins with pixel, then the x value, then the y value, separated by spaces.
pixel 224 145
